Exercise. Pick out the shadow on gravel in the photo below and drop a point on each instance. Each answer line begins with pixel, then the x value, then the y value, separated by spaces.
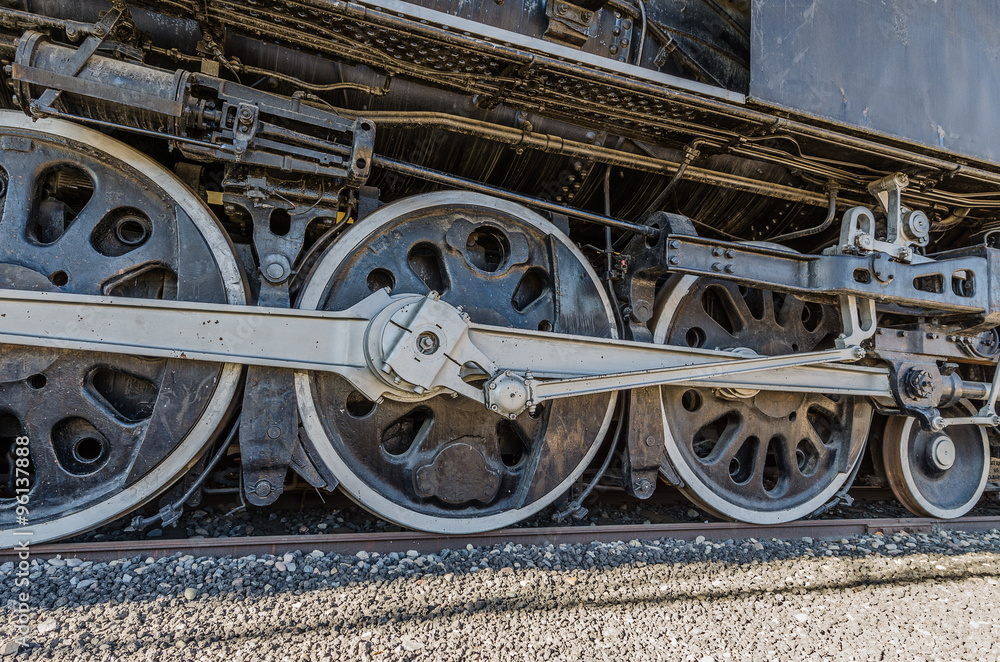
pixel 654 584
pixel 335 612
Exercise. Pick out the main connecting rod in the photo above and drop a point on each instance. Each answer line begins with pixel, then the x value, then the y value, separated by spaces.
pixel 414 346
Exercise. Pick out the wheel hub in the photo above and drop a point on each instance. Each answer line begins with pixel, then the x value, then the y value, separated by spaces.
pixel 942 453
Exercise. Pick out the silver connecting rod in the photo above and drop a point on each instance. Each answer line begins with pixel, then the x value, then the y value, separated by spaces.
pixel 412 345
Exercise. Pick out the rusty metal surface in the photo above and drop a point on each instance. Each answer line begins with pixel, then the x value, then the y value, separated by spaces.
pixel 912 69
pixel 429 543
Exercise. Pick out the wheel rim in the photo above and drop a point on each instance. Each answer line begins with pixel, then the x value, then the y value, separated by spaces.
pixel 768 457
pixel 445 464
pixel 86 214
pixel 929 480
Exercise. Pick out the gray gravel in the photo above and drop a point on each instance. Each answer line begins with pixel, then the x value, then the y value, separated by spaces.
pixel 906 597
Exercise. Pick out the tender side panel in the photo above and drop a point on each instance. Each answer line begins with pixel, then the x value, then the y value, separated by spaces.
pixel 922 70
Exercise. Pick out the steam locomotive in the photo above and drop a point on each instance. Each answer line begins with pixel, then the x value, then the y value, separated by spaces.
pixel 465 260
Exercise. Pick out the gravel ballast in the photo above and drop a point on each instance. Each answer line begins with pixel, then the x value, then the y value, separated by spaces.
pixel 906 597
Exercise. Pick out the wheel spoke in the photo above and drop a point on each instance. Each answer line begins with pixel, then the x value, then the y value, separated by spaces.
pixel 728 444
pixel 14 219
pixel 738 305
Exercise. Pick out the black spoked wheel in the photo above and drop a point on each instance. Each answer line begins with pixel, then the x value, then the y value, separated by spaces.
pixel 85 214
pixel 755 456
pixel 442 463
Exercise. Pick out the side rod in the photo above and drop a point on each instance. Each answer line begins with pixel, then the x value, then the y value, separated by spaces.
pixel 335 341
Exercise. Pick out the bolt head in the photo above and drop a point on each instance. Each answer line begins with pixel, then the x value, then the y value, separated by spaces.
pixel 919 383
pixel 275 271
pixel 428 343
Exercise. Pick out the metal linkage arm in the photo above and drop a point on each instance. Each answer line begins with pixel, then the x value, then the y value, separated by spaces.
pixel 564 388
pixel 954 283
pixel 417 347
pixel 408 345
pixel 183 330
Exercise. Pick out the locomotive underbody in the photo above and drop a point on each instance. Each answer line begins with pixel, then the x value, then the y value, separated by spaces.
pixel 466 260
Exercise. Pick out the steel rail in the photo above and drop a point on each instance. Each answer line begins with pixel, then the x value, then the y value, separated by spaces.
pixel 427 543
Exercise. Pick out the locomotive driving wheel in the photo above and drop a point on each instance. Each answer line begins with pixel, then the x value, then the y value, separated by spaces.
pixel 936 474
pixel 85 214
pixel 438 462
pixel 755 456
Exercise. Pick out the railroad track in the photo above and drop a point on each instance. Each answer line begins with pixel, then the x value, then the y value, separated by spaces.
pixel 402 541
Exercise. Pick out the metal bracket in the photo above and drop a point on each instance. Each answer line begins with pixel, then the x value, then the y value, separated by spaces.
pixel 270 422
pixel 644 448
pixel 268 432
pixel 247 123
pixel 941 285
pixel 569 23
pixel 858 318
